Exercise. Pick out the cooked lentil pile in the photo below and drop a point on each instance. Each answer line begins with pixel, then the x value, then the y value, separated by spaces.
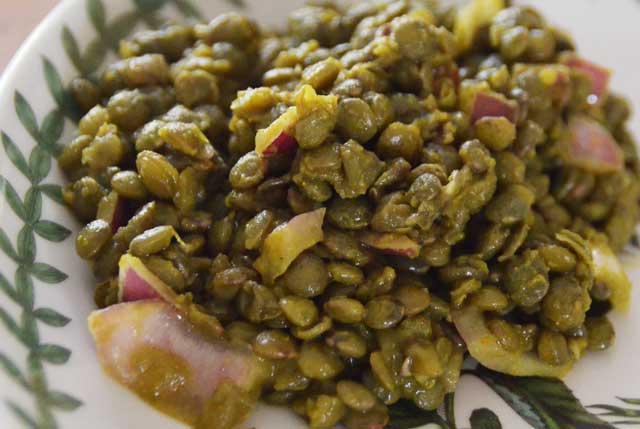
pixel 363 198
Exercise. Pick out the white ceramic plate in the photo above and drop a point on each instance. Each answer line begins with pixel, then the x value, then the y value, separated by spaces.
pixel 49 375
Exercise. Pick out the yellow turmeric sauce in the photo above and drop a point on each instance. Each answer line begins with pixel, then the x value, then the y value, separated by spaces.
pixel 162 379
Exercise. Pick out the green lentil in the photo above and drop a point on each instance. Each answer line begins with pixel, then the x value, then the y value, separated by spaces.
pixel 600 333
pixel 301 312
pixel 158 175
pixel 307 276
pixel 345 310
pixel 314 331
pixel 274 345
pixel 152 241
pixel 356 120
pixel 92 238
pixel 355 396
pixel 319 362
pixel 383 313
pixel 325 411
pixel 129 185
pixel 497 133
pixel 552 348
pixel 348 344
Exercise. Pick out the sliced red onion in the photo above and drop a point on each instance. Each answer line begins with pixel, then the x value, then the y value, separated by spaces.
pixel 592 147
pixel 137 282
pixel 492 105
pixel 285 243
pixel 390 243
pixel 486 349
pixel 153 350
pixel 284 143
pixel 278 137
pixel 598 75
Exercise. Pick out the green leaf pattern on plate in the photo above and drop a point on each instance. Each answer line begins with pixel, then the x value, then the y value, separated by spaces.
pixel 35 166
pixel 543 403
pixel 405 415
pixel 623 415
pixel 484 418
pixel 28 208
pixel 51 317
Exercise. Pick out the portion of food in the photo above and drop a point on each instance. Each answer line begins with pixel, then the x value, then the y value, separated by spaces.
pixel 495 351
pixel 149 347
pixel 333 216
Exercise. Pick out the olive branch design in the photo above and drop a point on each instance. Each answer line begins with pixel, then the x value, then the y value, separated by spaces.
pixel 544 403
pixel 21 291
pixel 624 415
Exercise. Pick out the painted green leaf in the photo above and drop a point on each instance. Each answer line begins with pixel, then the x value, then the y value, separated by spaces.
pixel 54 354
pixel 45 417
pixel 26 244
pixel 612 410
pixel 405 415
pixel 22 415
pixel 120 28
pixel 12 326
pixel 12 370
pixel 151 19
pixel 56 149
pixel 94 55
pixel 52 191
pixel 39 164
pixel 29 210
pixel 95 9
pixel 51 317
pixel 30 329
pixel 35 371
pixel 6 246
pixel 33 204
pixel 450 408
pixel 62 400
pixel 47 273
pixel 238 3
pixel 14 200
pixel 188 9
pixel 24 288
pixel 628 416
pixel 51 231
pixel 6 287
pixel 147 6
pixel 52 127
pixel 544 403
pixel 484 418
pixel 26 115
pixel 54 82
pixel 58 91
pixel 14 154
pixel 71 48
